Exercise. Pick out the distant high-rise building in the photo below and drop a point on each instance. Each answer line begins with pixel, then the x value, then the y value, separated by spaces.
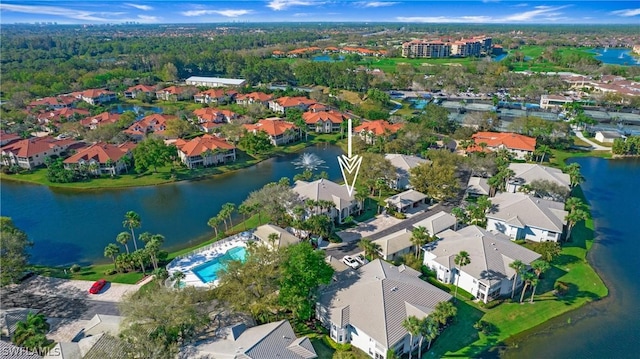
pixel 474 46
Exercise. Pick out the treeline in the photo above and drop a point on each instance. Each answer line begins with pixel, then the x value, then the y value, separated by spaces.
pixel 626 147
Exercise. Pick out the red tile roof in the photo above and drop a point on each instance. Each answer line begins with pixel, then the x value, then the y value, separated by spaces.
pixel 256 96
pixel 101 152
pixel 93 93
pixel 52 101
pixel 379 127
pixel 176 90
pixel 272 126
pixel 35 145
pixel 8 137
pixel 509 140
pixel 315 117
pixel 100 119
pixel 209 114
pixel 199 145
pixel 287 101
pixel 155 123
pixel 141 88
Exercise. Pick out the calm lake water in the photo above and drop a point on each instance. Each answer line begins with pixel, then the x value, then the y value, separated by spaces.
pixel 609 328
pixel 74 226
pixel 616 56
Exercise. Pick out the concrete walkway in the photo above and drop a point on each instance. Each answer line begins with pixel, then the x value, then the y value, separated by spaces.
pixel 594 145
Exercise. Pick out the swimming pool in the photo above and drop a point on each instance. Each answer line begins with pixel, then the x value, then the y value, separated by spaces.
pixel 208 271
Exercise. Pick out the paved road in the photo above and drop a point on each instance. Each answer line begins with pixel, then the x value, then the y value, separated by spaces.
pixel 409 222
pixel 593 144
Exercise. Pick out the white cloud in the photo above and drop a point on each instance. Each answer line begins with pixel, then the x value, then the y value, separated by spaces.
pixel 284 4
pixel 226 13
pixel 139 7
pixel 148 19
pixel 626 12
pixel 375 3
pixel 445 19
pixel 540 11
pixel 546 13
pixel 60 11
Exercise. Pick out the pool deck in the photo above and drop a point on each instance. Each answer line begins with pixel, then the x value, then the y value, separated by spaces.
pixel 187 262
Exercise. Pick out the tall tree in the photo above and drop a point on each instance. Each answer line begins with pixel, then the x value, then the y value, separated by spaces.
pixel 517 266
pixel 14 255
pixel 430 329
pixel 228 209
pixel 152 152
pixel 412 325
pixel 124 238
pixel 527 277
pixel 538 267
pixel 377 168
pixel 31 332
pixel 214 222
pixel 419 237
pixel 132 220
pixel 371 248
pixel 437 180
pixel 112 251
pixel 462 259
pixel 575 177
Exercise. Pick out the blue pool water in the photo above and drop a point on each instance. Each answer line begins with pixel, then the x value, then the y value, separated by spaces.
pixel 208 272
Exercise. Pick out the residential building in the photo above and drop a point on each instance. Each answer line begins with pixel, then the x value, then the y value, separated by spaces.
pixel 97 340
pixel 518 145
pixel 282 104
pixel 403 164
pixel 554 102
pixel 205 151
pixel 176 93
pixel 521 216
pixel 525 173
pixel 403 202
pixel 97 96
pixel 344 203
pixel 267 341
pixel 32 152
pixel 607 136
pixel 478 186
pixel 254 97
pixel 488 274
pixel 262 235
pixel 64 114
pixel 6 138
pixel 100 119
pixel 214 96
pixel 156 124
pixel 134 91
pixel 426 48
pixel 370 130
pixel 210 118
pixel 395 245
pixel 324 121
pixel 279 131
pixel 101 158
pixel 437 223
pixel 214 81
pixel 368 307
pixel 54 103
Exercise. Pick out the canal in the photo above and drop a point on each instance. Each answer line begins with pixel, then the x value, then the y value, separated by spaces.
pixel 74 226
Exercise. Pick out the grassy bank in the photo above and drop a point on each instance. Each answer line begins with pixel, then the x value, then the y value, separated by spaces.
pixel 559 157
pixel 511 317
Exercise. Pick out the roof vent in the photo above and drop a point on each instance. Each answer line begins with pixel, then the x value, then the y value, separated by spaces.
pixel 394 289
pixel 493 243
pixel 495 249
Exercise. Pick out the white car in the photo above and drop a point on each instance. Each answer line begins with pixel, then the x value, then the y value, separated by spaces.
pixel 351 262
pixel 360 258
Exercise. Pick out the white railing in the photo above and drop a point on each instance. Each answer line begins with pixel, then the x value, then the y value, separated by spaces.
pixel 216 244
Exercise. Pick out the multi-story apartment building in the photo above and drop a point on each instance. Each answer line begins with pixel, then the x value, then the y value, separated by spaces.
pixel 474 46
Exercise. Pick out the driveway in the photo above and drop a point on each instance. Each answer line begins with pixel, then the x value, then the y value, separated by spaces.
pixel 365 229
pixel 594 145
pixel 76 289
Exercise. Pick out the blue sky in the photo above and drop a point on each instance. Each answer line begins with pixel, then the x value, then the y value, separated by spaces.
pixel 319 11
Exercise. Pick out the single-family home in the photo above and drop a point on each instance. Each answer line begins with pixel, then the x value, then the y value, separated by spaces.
pixel 263 234
pixel 607 136
pixel 516 144
pixel 324 121
pixel 214 96
pixel 156 124
pixel 205 151
pixel 403 165
pixel 214 115
pixel 395 245
pixel 282 104
pixel 32 152
pixel 370 130
pixel 368 307
pixel 525 173
pixel 176 93
pixel 101 158
pixel 7 138
pixel 478 186
pixel 344 204
pixel 488 274
pixel 266 341
pixel 521 216
pixel 54 103
pixel 98 339
pixel 64 114
pixel 134 91
pixel 254 97
pixel 279 131
pixel 403 202
pixel 100 119
pixel 214 81
pixel 437 223
pixel 97 96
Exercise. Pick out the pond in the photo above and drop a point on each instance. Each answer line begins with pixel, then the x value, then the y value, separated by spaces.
pixel 74 226
pixel 140 111
pixel 616 56
pixel 327 58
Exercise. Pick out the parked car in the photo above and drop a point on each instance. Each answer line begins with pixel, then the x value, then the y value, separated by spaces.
pixel 360 258
pixel 351 262
pixel 97 286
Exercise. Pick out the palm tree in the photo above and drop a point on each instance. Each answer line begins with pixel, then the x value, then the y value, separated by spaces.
pixel 412 325
pixel 177 276
pixel 228 209
pixel 461 260
pixel 538 267
pixel 430 329
pixel 460 215
pixel 111 251
pixel 145 237
pixel 152 248
pixel 419 237
pixel 132 220
pixel 140 256
pixel 517 266
pixel 30 333
pixel 244 210
pixel 542 151
pixel 371 249
pixel 214 222
pixel 573 218
pixel 575 177
pixel 534 283
pixel 573 203
pixel 361 197
pixel 527 277
pixel 124 238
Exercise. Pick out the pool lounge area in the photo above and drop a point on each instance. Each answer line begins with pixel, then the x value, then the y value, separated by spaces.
pixel 201 266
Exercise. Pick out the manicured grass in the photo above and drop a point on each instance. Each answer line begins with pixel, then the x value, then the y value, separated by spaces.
pixel 322 349
pixel 90 273
pixel 511 317
pixel 390 64
pixel 558 157
pixel 370 210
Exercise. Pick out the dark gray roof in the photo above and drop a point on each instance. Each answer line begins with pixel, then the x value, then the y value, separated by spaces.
pixel 490 253
pixel 378 297
pixel 106 346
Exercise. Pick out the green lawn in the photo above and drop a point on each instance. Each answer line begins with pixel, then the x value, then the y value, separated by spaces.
pixel 90 273
pixel 370 210
pixel 510 318
pixel 322 349
pixel 390 64
pixel 558 157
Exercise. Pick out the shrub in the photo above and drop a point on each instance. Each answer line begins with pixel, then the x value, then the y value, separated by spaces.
pixel 492 304
pixel 328 341
pixel 561 288
pixel 400 215
pixel 110 272
pixel 75 268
